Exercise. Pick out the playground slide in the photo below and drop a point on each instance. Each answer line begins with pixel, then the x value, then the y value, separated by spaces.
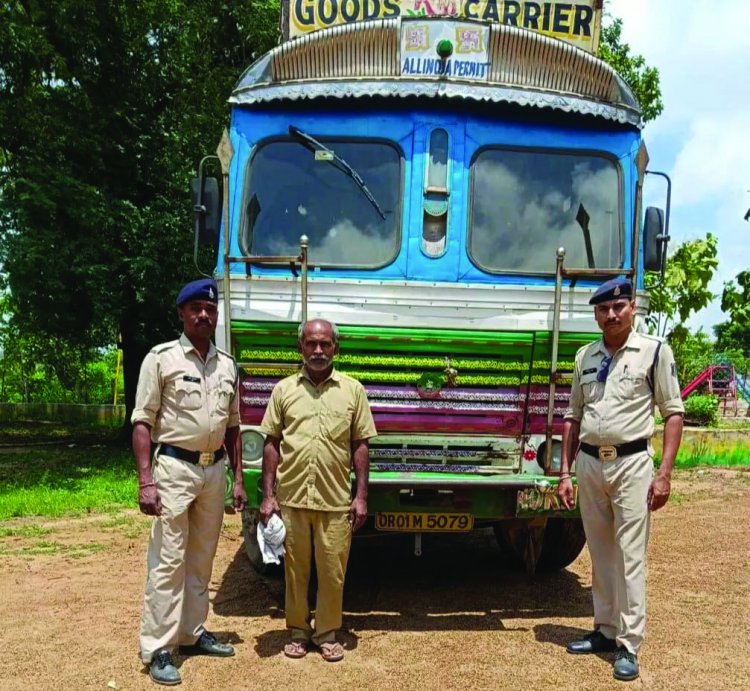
pixel 705 374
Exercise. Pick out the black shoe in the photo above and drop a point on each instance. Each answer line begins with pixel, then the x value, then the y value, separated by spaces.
pixel 594 642
pixel 208 645
pixel 626 665
pixel 162 669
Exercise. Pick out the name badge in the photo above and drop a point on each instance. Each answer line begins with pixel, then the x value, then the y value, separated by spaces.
pixel 194 380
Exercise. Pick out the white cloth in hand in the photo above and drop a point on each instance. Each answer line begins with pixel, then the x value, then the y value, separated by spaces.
pixel 271 539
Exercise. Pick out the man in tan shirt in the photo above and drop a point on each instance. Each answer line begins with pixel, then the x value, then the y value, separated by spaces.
pixel 318 423
pixel 187 406
pixel 609 424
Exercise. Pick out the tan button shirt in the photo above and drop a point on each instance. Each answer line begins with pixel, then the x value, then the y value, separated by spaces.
pixel 621 409
pixel 187 402
pixel 316 425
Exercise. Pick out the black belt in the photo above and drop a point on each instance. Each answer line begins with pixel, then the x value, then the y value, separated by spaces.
pixel 610 452
pixel 196 457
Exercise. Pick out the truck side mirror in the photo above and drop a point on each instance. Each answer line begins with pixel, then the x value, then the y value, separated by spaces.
pixel 206 209
pixel 654 240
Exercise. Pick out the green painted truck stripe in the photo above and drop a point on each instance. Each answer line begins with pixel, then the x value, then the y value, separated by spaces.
pixel 401 355
pixel 369 360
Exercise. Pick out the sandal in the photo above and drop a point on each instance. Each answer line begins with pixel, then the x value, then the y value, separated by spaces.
pixel 332 652
pixel 296 649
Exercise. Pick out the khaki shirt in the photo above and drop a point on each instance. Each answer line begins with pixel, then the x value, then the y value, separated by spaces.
pixel 187 402
pixel 316 425
pixel 621 409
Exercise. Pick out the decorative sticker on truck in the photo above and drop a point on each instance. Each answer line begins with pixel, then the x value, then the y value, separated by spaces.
pixel 442 49
pixel 578 23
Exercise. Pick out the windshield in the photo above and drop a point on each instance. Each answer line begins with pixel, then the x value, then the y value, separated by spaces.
pixel 297 188
pixel 527 204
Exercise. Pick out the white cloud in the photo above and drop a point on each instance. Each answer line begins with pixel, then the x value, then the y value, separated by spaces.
pixel 702 53
pixel 714 161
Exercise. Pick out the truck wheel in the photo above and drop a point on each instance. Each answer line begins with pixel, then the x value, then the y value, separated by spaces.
pixel 250 518
pixel 562 542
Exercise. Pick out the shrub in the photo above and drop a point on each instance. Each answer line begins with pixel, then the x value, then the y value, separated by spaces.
pixel 702 410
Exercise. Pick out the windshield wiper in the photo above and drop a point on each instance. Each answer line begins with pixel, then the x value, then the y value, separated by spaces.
pixel 337 162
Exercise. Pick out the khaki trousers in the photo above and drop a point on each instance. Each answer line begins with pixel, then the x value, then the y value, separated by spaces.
pixel 329 534
pixel 181 553
pixel 616 520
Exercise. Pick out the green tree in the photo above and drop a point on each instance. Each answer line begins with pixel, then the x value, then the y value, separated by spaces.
pixel 693 352
pixel 684 289
pixel 642 79
pixel 105 109
pixel 733 336
pixel 39 368
pixel 735 300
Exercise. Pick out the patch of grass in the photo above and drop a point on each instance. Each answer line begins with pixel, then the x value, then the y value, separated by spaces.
pixel 55 481
pixel 130 526
pixel 739 456
pixel 708 452
pixel 31 530
pixel 676 498
pixel 48 548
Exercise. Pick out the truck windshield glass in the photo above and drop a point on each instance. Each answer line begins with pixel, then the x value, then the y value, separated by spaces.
pixel 527 204
pixel 344 195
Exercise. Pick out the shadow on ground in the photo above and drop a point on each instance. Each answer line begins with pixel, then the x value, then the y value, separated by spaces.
pixel 460 582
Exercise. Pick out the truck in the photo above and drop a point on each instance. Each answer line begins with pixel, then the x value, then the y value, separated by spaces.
pixel 449 191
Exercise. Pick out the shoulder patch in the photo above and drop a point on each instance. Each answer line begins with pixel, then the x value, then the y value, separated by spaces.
pixel 583 349
pixel 651 337
pixel 224 352
pixel 164 346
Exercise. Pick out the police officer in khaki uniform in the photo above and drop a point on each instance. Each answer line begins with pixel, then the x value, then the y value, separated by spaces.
pixel 609 424
pixel 187 406
pixel 318 423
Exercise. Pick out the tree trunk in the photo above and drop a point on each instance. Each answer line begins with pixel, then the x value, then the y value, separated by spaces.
pixel 141 328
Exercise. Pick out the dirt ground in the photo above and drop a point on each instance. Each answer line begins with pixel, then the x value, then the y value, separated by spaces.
pixel 455 618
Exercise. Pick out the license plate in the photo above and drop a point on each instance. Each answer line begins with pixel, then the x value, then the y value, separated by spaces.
pixel 424 522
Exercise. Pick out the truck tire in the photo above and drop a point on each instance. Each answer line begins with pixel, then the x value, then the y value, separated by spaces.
pixel 562 543
pixel 250 518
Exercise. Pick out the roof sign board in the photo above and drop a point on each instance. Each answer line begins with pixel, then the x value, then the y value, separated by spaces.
pixel 578 23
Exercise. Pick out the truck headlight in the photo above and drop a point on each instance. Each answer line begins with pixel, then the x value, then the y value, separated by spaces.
pixel 252 446
pixel 556 455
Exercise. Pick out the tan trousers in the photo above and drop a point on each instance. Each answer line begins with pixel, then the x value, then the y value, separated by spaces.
pixel 181 553
pixel 329 534
pixel 616 520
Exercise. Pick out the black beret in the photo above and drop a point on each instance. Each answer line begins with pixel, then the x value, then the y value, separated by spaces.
pixel 202 289
pixel 612 290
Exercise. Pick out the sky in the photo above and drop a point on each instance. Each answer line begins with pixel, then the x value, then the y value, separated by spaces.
pixel 702 52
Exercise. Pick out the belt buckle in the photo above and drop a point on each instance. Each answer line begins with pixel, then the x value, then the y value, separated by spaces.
pixel 607 453
pixel 206 458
